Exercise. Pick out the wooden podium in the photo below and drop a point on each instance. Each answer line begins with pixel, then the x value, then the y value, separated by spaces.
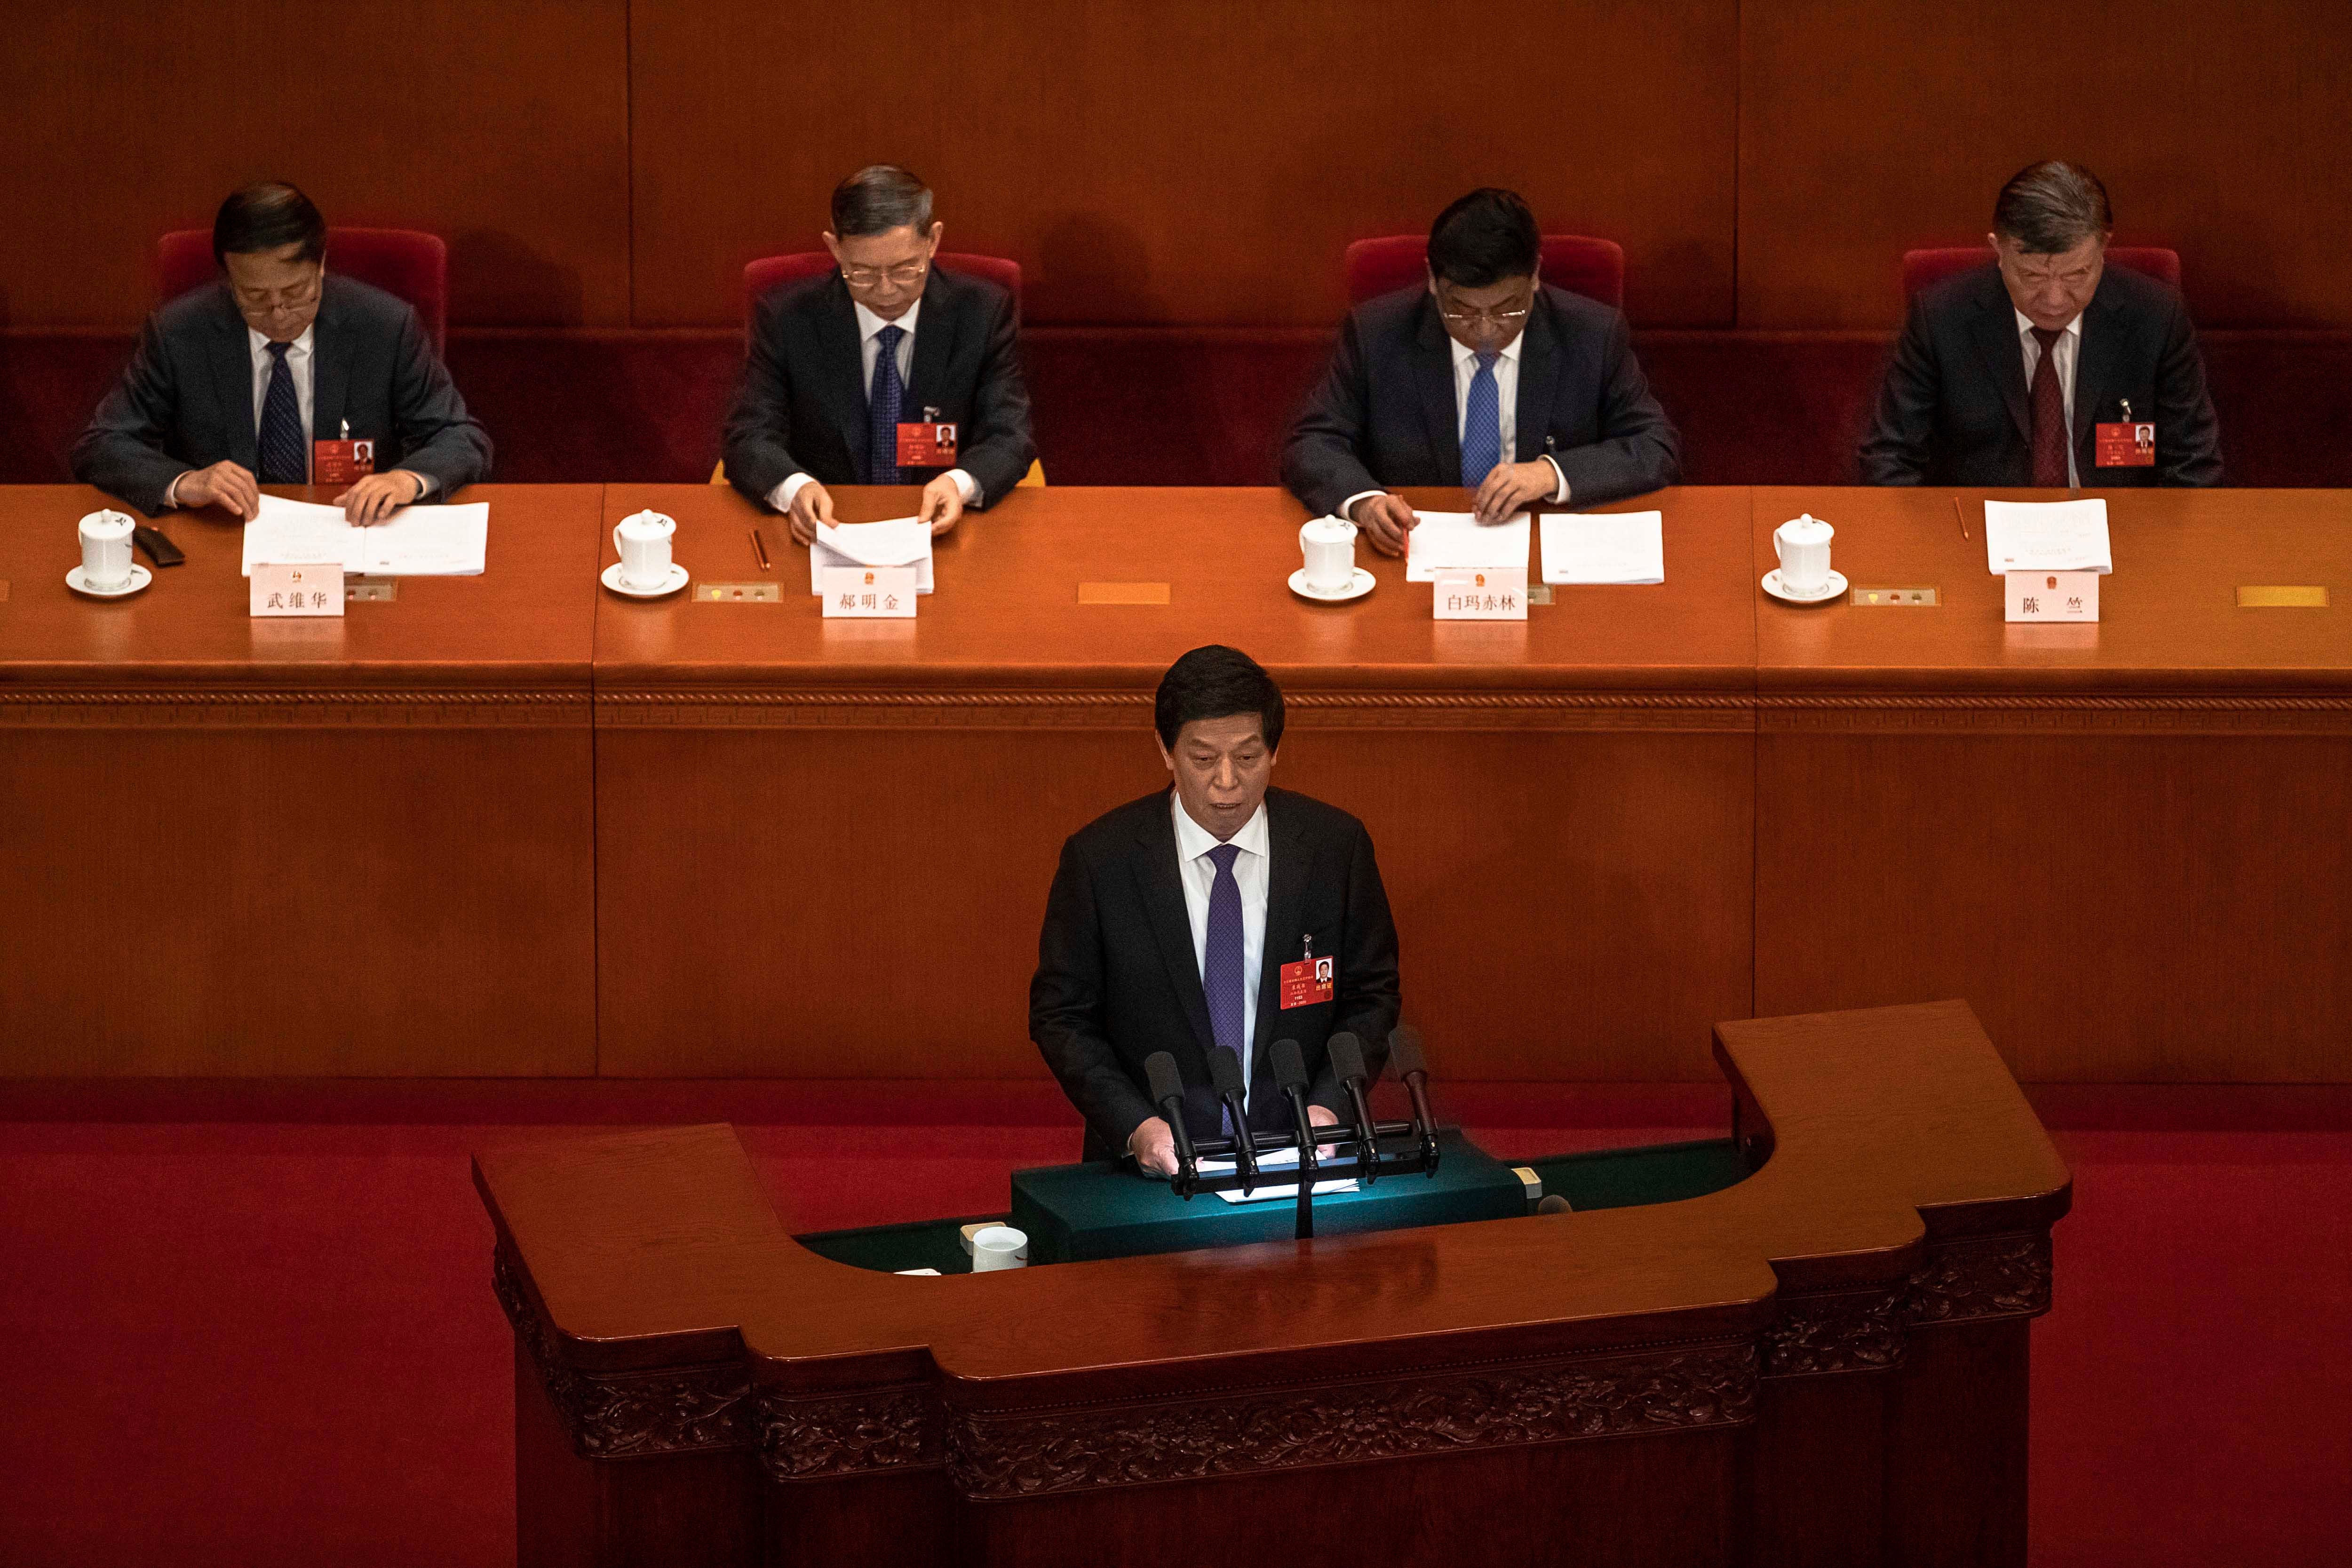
pixel 1823 1363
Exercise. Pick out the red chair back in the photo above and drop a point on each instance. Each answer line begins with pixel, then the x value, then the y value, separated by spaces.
pixel 1922 268
pixel 405 263
pixel 1593 268
pixel 771 271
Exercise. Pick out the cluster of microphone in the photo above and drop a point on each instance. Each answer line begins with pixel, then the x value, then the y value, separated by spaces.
pixel 1355 1141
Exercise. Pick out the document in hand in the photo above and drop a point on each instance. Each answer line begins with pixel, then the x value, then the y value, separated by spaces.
pixel 1604 547
pixel 1458 541
pixel 2047 536
pixel 1272 1160
pixel 900 541
pixel 414 542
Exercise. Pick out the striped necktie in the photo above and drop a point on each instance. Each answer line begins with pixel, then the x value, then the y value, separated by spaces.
pixel 282 458
pixel 882 407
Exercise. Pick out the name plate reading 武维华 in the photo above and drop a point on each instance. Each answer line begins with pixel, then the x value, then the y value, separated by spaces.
pixel 1122 592
pixel 310 589
pixel 2052 596
pixel 737 594
pixel 868 593
pixel 2258 595
pixel 1488 593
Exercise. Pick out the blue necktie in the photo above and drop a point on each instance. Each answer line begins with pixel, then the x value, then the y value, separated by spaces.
pixel 1482 425
pixel 281 426
pixel 1221 967
pixel 882 410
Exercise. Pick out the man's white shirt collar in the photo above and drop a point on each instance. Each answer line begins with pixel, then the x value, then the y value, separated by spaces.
pixel 869 323
pixel 1193 840
pixel 259 342
pixel 1463 354
pixel 2073 329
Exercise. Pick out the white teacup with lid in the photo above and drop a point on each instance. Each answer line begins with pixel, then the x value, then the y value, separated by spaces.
pixel 1802 545
pixel 643 538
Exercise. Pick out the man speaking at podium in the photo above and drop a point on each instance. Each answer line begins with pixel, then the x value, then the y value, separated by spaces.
pixel 1220 912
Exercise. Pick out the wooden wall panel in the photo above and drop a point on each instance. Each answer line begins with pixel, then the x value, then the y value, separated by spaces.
pixel 1184 164
pixel 2218 126
pixel 502 128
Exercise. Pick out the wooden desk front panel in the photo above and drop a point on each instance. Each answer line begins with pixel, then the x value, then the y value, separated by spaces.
pixel 2124 844
pixel 285 848
pixel 1561 808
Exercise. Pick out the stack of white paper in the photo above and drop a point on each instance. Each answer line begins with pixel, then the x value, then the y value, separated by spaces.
pixel 413 542
pixel 1272 1160
pixel 900 541
pixel 1458 541
pixel 1604 547
pixel 2047 536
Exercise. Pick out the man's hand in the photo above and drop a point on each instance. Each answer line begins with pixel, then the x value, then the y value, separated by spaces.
pixel 1508 487
pixel 225 484
pixel 1321 1116
pixel 1385 520
pixel 943 504
pixel 1154 1147
pixel 378 496
pixel 811 506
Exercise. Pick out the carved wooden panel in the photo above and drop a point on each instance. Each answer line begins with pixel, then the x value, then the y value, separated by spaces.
pixel 194 709
pixel 2072 713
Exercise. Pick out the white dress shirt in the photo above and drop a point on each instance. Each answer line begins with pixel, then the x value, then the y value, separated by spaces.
pixel 2063 354
pixel 299 369
pixel 1506 405
pixel 869 353
pixel 1199 875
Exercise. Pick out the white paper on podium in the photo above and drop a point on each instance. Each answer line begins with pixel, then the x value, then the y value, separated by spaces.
pixel 413 542
pixel 1625 547
pixel 900 542
pixel 1272 1160
pixel 1458 541
pixel 2047 536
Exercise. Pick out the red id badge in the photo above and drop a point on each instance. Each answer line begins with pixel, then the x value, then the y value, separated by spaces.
pixel 931 446
pixel 340 462
pixel 1306 982
pixel 2126 445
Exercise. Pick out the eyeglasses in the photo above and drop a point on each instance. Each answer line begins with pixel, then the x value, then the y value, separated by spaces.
pixel 1470 320
pixel 289 298
pixel 906 272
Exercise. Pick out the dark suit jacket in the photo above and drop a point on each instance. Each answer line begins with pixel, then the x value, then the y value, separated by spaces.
pixel 186 400
pixel 1384 418
pixel 802 404
pixel 1117 979
pixel 1953 409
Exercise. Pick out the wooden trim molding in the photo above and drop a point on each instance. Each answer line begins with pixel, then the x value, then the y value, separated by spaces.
pixel 2070 713
pixel 76 709
pixel 847 1435
pixel 1965 1281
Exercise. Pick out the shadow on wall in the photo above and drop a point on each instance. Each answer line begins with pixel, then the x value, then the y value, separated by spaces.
pixel 494 277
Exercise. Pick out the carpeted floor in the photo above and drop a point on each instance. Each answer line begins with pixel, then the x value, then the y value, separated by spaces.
pixel 262 1342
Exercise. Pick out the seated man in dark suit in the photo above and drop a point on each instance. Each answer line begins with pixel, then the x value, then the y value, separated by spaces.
pixel 1486 378
pixel 2002 372
pixel 823 403
pixel 231 384
pixel 1172 919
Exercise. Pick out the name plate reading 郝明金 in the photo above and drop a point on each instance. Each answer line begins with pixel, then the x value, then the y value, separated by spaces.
pixel 2283 597
pixel 1122 592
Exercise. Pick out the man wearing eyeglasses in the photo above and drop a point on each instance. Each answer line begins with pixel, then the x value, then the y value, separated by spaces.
pixel 281 374
pixel 2046 366
pixel 886 371
pixel 1486 378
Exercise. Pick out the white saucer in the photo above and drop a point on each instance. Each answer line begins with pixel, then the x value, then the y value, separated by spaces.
pixel 1358 586
pixel 669 584
pixel 140 578
pixel 1828 590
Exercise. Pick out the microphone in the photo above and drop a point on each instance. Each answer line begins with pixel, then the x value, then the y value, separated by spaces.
pixel 1347 1054
pixel 1290 1077
pixel 1225 1074
pixel 1404 1051
pixel 1168 1094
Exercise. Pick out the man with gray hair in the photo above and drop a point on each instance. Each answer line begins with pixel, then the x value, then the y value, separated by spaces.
pixel 886 371
pixel 2045 366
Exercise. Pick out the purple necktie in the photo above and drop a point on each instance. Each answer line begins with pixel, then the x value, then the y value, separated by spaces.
pixel 882 410
pixel 1221 967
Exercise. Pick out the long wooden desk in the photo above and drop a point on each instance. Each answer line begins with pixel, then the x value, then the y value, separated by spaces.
pixel 819 848
pixel 1823 1364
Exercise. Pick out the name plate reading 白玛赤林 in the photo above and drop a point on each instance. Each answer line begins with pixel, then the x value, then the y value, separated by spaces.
pixel 869 593
pixel 314 588
pixel 2051 596
pixel 1487 593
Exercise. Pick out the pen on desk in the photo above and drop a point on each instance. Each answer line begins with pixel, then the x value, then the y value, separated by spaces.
pixel 760 549
pixel 1961 515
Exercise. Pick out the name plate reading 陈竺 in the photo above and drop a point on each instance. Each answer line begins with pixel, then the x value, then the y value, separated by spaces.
pixel 2251 596
pixel 2055 596
pixel 869 593
pixel 310 589
pixel 1491 594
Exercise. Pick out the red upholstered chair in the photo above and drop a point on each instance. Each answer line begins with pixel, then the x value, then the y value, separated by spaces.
pixel 1593 268
pixel 1924 267
pixel 405 263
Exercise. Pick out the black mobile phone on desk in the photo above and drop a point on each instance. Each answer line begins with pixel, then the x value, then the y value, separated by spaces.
pixel 159 550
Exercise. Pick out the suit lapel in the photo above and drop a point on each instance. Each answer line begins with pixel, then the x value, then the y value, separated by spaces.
pixel 1996 335
pixel 1432 376
pixel 1163 905
pixel 232 383
pixel 1538 357
pixel 331 369
pixel 1290 855
pixel 2096 359
pixel 844 370
pixel 934 345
